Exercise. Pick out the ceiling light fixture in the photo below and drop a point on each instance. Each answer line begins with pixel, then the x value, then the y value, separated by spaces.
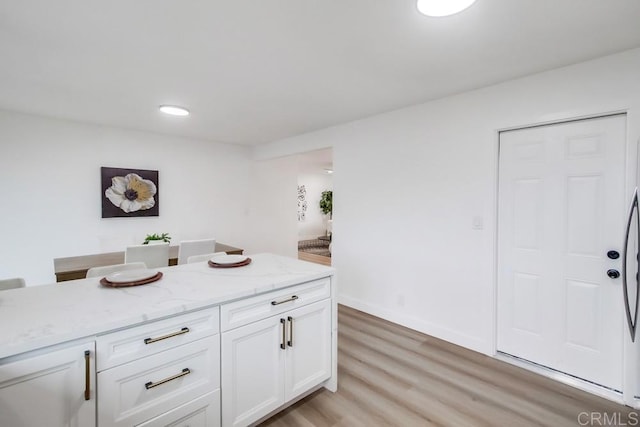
pixel 329 171
pixel 174 110
pixel 443 7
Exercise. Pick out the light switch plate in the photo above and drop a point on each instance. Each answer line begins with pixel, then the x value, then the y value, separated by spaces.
pixel 478 223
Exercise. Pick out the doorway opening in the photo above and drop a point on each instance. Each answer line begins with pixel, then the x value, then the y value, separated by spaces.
pixel 315 206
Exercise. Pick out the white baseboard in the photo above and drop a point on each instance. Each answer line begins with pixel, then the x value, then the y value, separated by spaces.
pixel 419 325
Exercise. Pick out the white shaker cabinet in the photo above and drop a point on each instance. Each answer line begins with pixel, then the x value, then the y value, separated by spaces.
pixel 201 412
pixel 269 362
pixel 55 388
pixel 308 355
pixel 162 373
pixel 252 372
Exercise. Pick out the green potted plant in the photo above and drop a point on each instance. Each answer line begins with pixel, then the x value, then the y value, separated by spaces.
pixel 326 203
pixel 326 206
pixel 157 238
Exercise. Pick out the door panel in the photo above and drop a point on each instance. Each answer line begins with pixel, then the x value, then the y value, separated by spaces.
pixel 252 367
pixel 48 389
pixel 584 211
pixel 561 208
pixel 526 302
pixel 308 360
pixel 527 203
pixel 582 325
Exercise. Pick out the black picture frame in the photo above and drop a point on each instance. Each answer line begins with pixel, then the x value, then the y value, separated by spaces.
pixel 138 206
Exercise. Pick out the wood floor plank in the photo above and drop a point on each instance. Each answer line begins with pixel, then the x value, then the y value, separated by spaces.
pixel 441 383
pixel 389 375
pixel 458 378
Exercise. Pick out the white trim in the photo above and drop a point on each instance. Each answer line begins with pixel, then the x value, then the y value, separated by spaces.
pixel 419 325
pixel 631 371
pixel 565 119
pixel 495 170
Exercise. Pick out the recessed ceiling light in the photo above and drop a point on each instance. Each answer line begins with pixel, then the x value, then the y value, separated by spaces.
pixel 174 110
pixel 329 171
pixel 443 7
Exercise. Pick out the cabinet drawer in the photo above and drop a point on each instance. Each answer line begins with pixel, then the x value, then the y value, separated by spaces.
pixel 249 310
pixel 141 390
pixel 130 344
pixel 201 412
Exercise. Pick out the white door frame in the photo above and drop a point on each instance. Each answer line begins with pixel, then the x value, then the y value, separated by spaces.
pixel 631 371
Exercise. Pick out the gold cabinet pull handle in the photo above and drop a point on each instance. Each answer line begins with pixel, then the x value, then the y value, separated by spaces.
pixel 151 384
pixel 87 375
pixel 164 337
pixel 290 342
pixel 284 333
pixel 292 298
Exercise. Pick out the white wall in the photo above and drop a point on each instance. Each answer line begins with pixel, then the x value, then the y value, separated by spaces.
pixel 273 207
pixel 408 184
pixel 315 223
pixel 51 197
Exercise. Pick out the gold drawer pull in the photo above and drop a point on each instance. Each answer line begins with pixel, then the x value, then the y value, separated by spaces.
pixel 151 384
pixel 293 298
pixel 87 375
pixel 283 323
pixel 164 337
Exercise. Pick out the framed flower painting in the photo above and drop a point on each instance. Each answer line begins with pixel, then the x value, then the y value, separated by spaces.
pixel 129 192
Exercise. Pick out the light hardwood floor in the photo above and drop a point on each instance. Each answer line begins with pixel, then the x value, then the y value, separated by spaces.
pixel 318 259
pixel 392 376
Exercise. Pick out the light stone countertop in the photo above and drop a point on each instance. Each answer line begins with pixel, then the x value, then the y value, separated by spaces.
pixel 40 316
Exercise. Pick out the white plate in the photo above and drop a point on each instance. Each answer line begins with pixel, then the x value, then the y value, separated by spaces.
pixel 128 276
pixel 228 259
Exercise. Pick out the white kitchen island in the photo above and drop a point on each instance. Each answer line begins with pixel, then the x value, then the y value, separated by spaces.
pixel 202 346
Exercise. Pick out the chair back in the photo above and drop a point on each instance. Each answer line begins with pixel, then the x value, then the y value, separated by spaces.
pixel 14 283
pixel 203 257
pixel 108 269
pixel 189 248
pixel 154 256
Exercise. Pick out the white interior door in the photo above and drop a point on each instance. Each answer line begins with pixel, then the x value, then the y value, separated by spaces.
pixel 561 209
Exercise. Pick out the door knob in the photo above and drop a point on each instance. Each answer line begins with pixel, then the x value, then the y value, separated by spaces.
pixel 614 274
pixel 613 254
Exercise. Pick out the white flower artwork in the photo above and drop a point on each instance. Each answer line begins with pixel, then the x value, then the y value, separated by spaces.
pixel 133 192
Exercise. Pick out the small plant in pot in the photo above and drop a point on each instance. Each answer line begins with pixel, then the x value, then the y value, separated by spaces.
pixel 157 238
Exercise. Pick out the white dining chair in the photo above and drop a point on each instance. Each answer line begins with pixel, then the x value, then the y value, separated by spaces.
pixel 189 248
pixel 108 269
pixel 154 256
pixel 14 283
pixel 203 257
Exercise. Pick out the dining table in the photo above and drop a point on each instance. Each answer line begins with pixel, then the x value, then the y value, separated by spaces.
pixel 75 267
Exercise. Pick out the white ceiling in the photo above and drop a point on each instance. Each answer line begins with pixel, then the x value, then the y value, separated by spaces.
pixel 254 71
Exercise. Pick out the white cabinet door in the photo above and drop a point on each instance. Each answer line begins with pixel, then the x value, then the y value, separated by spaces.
pixel 308 360
pixel 49 389
pixel 252 371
